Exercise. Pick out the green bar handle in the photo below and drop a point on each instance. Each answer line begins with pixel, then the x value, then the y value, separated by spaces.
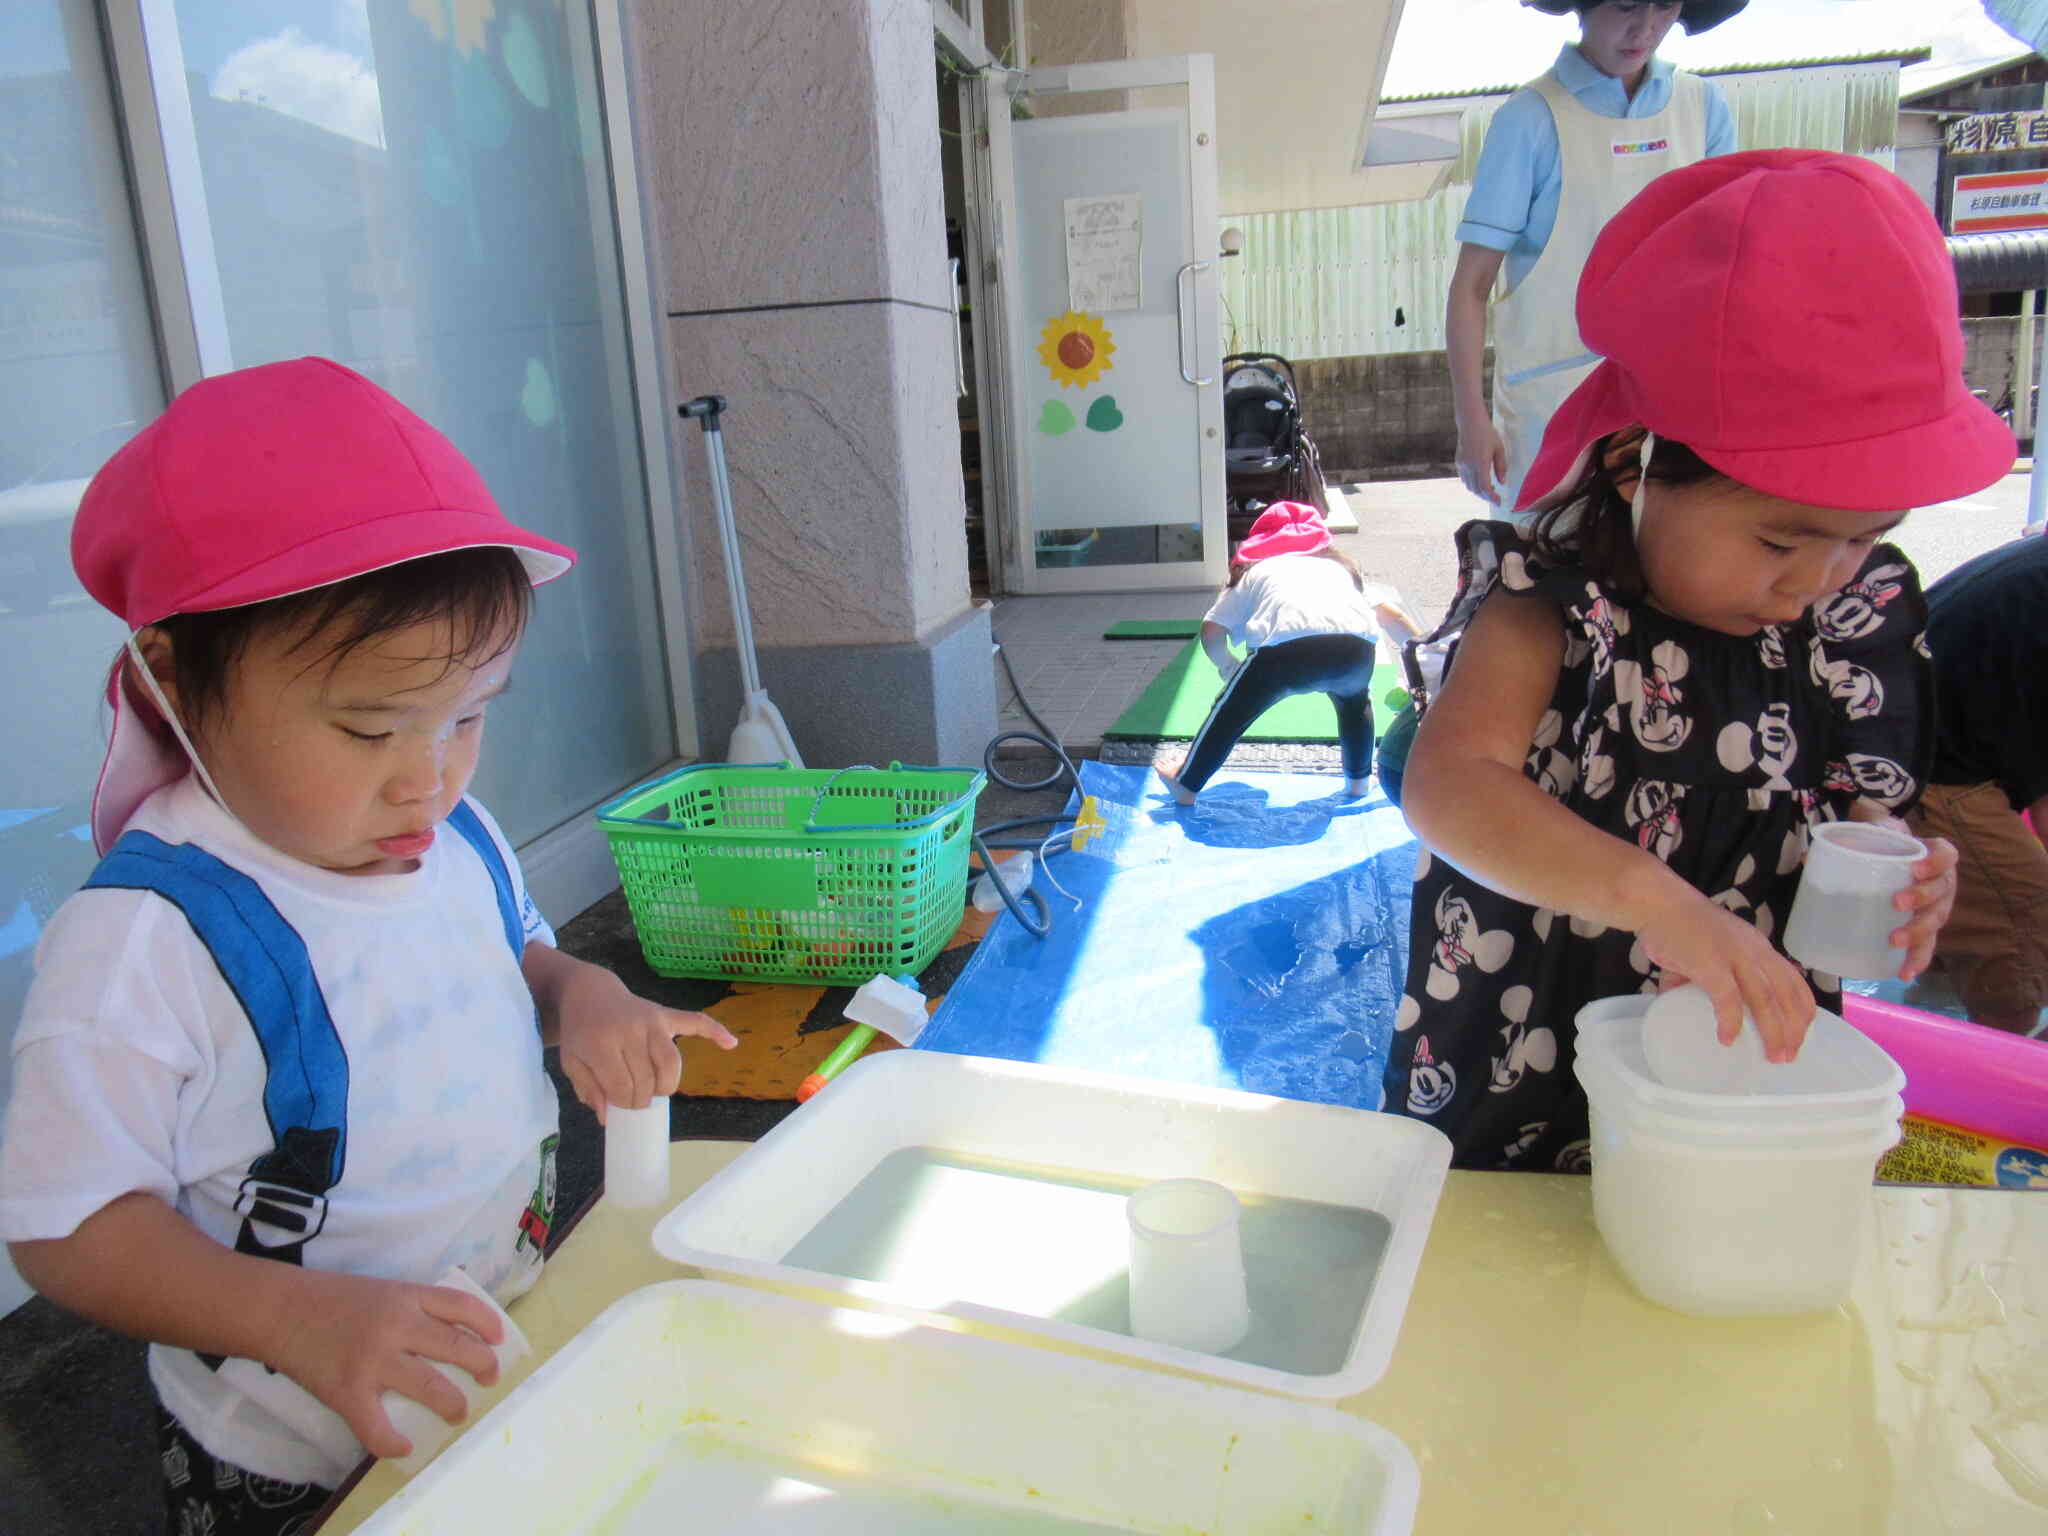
pixel 846 1052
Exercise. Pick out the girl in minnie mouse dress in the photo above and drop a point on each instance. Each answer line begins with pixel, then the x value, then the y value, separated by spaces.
pixel 1697 651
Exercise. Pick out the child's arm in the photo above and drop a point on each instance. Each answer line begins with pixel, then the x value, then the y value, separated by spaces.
pixel 1216 642
pixel 617 1047
pixel 1467 797
pixel 140 1268
pixel 1397 622
pixel 1931 896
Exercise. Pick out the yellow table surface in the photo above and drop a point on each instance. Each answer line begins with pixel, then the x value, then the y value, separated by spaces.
pixel 1540 1395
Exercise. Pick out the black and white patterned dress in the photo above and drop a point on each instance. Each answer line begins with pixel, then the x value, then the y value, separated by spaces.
pixel 1714 752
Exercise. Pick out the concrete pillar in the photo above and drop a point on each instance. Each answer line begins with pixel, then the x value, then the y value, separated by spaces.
pixel 790 159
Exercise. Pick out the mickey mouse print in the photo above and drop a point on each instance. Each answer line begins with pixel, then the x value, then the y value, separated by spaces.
pixel 1714 752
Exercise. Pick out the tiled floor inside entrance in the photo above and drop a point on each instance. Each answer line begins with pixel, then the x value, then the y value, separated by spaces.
pixel 1076 681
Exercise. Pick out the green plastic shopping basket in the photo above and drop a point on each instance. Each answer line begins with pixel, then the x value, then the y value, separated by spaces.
pixel 765 873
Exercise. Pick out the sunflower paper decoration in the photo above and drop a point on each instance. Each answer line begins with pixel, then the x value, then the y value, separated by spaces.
pixel 1075 349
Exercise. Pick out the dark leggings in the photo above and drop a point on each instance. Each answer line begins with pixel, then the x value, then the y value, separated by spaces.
pixel 205 1495
pixel 1339 665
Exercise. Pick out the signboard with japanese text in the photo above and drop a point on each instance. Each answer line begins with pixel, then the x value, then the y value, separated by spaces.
pixel 1999 200
pixel 1991 133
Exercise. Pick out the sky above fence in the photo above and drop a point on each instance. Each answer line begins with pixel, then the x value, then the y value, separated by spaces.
pixel 1449 45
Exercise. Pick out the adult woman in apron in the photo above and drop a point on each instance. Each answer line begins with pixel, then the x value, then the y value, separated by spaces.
pixel 1562 157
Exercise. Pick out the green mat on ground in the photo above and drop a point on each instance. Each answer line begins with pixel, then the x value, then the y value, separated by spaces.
pixel 1153 629
pixel 1177 701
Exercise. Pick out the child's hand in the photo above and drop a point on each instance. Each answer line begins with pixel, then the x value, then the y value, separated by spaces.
pixel 1734 964
pixel 355 1337
pixel 619 1047
pixel 1930 898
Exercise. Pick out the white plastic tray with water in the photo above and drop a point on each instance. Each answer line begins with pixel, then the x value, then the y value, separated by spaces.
pixel 960 1186
pixel 696 1406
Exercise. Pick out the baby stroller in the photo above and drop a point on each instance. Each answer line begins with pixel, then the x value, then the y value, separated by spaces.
pixel 1267 456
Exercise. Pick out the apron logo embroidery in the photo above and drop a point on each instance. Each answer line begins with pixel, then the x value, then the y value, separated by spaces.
pixel 1641 146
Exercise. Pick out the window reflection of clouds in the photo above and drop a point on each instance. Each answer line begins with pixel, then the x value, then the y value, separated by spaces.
pixel 291 73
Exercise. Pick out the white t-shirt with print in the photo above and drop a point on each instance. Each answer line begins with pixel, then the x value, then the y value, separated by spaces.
pixel 1289 597
pixel 136 1069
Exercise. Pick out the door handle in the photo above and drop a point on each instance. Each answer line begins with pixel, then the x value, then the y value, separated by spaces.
pixel 959 351
pixel 1181 289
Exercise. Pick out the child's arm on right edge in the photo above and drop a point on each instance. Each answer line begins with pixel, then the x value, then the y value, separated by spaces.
pixel 140 1268
pixel 1467 798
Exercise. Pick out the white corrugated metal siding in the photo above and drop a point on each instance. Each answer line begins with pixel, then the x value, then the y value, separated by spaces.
pixel 1357 282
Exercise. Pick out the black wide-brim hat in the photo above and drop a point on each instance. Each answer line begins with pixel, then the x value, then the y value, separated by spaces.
pixel 1695 16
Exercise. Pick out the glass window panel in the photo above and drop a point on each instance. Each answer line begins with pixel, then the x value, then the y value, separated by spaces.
pixel 79 373
pixel 420 190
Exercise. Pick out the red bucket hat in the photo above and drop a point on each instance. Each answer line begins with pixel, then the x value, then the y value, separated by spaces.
pixel 258 484
pixel 1285 528
pixel 1790 315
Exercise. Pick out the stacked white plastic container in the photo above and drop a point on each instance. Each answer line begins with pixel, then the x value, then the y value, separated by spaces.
pixel 1731 1204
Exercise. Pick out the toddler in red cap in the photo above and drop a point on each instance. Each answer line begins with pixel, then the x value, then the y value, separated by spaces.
pixel 1299 606
pixel 280 1068
pixel 1699 649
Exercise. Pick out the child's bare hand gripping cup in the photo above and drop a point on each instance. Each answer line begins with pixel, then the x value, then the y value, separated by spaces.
pixel 1736 966
pixel 357 1338
pixel 1927 901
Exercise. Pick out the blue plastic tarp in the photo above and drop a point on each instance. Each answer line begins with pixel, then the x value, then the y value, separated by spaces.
pixel 1257 939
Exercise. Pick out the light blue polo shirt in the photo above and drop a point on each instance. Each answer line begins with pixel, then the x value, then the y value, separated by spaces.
pixel 1513 205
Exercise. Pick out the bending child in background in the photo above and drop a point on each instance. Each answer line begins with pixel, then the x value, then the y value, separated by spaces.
pixel 1698 651
pixel 281 1066
pixel 1299 606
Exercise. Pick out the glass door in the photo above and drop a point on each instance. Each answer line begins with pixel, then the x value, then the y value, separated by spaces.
pixel 79 372
pixel 422 192
pixel 1104 247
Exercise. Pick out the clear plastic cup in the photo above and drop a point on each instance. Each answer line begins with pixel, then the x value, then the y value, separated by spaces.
pixel 1013 870
pixel 1843 918
pixel 636 1154
pixel 1187 1266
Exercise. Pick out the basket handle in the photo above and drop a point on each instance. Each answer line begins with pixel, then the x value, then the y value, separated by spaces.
pixel 811 827
pixel 811 816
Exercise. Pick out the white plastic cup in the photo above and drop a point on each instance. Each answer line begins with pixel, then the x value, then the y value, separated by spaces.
pixel 636 1155
pixel 1187 1266
pixel 1683 1047
pixel 1012 870
pixel 1843 918
pixel 425 1428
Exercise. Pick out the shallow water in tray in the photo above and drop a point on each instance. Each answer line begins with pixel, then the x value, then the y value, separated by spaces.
pixel 1053 1243
pixel 708 1483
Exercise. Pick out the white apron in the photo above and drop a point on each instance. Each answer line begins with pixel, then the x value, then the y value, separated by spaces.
pixel 1538 358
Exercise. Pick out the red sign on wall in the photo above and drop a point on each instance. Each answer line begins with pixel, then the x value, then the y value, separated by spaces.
pixel 1996 200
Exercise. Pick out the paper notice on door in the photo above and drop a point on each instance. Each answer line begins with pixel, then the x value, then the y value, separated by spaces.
pixel 1102 253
